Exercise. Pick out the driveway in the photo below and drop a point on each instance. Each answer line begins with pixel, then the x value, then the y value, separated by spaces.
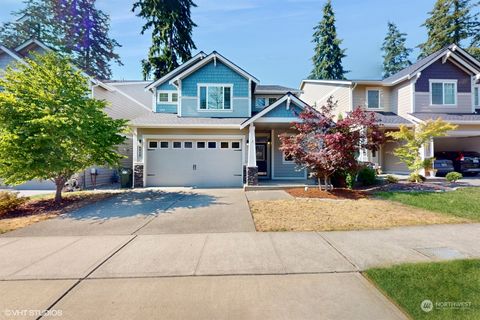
pixel 153 211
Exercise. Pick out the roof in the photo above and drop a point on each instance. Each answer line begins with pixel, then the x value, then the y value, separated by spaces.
pixel 450 117
pixel 390 118
pixel 125 81
pixel 273 89
pixel 153 119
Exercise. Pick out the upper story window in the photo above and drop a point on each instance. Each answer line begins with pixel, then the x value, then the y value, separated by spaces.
pixel 373 98
pixel 167 97
pixel 476 96
pixel 215 97
pixel 443 92
pixel 262 102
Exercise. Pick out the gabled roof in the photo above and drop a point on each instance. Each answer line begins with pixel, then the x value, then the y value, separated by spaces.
pixel 274 89
pixel 32 42
pixel 11 53
pixel 177 70
pixel 214 56
pixel 288 97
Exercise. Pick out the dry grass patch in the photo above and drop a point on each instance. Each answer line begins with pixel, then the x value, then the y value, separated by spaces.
pixel 327 215
pixel 40 209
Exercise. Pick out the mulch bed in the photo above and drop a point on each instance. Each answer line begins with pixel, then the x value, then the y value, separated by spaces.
pixel 49 206
pixel 411 187
pixel 337 194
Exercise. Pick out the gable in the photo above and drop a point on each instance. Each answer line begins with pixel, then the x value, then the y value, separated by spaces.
pixel 281 111
pixel 5 60
pixel 444 71
pixel 215 72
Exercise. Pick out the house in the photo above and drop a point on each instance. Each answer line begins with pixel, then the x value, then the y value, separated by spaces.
pixel 212 124
pixel 443 85
pixel 121 105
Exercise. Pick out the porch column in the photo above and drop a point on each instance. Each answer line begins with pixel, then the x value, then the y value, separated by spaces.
pixel 252 169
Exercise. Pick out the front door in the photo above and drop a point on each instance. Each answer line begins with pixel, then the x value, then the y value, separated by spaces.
pixel 261 149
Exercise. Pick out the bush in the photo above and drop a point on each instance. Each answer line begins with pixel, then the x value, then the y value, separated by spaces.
pixel 391 179
pixel 453 176
pixel 350 180
pixel 414 177
pixel 367 176
pixel 10 201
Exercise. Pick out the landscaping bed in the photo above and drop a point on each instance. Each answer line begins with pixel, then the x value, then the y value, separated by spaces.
pixel 315 192
pixel 451 287
pixel 43 208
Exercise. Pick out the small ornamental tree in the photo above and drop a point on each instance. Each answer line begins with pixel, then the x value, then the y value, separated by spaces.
pixel 325 147
pixel 412 140
pixel 49 126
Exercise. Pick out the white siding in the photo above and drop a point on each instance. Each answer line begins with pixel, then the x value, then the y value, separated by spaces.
pixel 318 93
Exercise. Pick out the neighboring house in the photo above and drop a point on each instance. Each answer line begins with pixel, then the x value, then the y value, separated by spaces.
pixel 212 124
pixel 117 108
pixel 443 85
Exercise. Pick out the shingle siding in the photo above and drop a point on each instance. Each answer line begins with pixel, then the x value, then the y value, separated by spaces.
pixel 281 111
pixel 447 70
pixel 166 108
pixel 280 169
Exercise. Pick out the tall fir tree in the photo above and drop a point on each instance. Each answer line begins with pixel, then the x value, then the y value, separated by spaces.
pixel 327 59
pixel 73 27
pixel 172 27
pixel 450 21
pixel 395 52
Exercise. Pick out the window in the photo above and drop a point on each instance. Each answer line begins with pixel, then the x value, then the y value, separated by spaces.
pixel 215 97
pixel 262 102
pixel 443 92
pixel 200 145
pixel 373 98
pixel 272 100
pixel 235 145
pixel 174 97
pixel 177 145
pixel 223 145
pixel 476 96
pixel 188 145
pixel 287 158
pixel 162 97
pixel 152 145
pixel 164 145
pixel 212 145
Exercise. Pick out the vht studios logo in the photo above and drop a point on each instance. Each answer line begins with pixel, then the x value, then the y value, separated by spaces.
pixel 426 305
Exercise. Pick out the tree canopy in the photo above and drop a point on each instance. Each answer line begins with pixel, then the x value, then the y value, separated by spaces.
pixel 395 52
pixel 73 27
pixel 327 58
pixel 50 128
pixel 172 27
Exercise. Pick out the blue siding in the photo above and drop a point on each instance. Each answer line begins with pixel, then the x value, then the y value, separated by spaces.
pixel 166 86
pixel 281 169
pixel 215 74
pixel 166 108
pixel 281 111
pixel 439 70
pixel 239 110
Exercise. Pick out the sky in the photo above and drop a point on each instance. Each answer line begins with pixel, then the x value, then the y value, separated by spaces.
pixel 271 39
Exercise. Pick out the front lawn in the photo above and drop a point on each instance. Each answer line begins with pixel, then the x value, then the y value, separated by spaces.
pixel 462 203
pixel 453 288
pixel 40 208
pixel 303 214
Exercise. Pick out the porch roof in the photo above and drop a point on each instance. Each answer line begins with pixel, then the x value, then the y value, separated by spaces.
pixel 391 118
pixel 451 117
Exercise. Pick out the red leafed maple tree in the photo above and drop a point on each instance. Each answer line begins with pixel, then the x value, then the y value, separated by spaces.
pixel 324 146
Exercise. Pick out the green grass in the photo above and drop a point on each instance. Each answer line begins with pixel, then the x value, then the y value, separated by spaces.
pixel 454 281
pixel 461 203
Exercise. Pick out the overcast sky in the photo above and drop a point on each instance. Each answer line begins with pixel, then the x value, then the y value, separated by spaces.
pixel 272 38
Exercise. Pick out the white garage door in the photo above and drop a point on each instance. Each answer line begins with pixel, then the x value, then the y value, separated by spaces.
pixel 200 163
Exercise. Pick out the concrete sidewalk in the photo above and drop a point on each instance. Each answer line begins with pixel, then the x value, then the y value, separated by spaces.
pixel 218 275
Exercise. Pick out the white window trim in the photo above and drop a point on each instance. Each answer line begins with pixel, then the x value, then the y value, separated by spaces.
pixel 207 85
pixel 181 145
pixel 170 97
pixel 443 82
pixel 152 148
pixel 476 86
pixel 169 143
pixel 380 107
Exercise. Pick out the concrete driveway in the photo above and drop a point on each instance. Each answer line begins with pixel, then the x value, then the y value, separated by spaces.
pixel 153 211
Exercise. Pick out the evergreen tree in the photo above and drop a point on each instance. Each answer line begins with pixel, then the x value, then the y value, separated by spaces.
pixel 73 27
pixel 395 53
pixel 327 59
pixel 172 26
pixel 450 21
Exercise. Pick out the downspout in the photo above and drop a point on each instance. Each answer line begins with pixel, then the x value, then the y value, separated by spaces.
pixel 351 95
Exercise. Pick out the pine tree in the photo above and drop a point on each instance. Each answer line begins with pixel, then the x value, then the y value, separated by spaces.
pixel 172 26
pixel 72 27
pixel 450 21
pixel 395 53
pixel 327 59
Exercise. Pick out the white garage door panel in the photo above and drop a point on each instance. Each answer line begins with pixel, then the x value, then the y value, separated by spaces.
pixel 195 167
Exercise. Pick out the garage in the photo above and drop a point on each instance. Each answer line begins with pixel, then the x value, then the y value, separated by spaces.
pixel 457 144
pixel 194 163
pixel 390 162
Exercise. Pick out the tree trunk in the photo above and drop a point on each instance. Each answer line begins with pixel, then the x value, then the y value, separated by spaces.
pixel 59 183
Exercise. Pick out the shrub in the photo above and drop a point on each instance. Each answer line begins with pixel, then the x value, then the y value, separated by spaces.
pixel 391 179
pixel 453 176
pixel 415 177
pixel 10 201
pixel 350 180
pixel 367 176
